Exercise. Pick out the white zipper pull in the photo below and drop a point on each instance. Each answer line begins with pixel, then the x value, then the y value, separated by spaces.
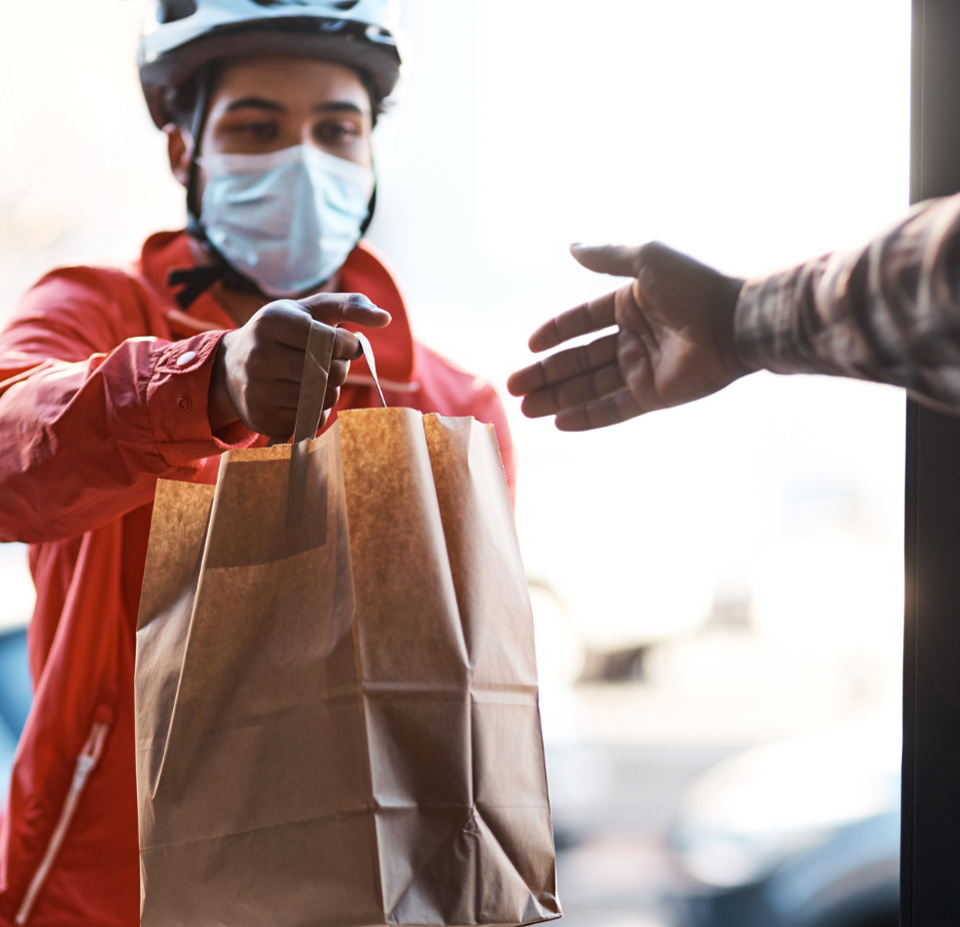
pixel 86 761
pixel 84 765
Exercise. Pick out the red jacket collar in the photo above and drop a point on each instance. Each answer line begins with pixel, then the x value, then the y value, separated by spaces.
pixel 365 271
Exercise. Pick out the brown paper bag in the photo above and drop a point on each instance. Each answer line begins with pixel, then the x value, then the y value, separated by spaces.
pixel 336 694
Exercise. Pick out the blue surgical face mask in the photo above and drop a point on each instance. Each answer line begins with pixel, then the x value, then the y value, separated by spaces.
pixel 286 219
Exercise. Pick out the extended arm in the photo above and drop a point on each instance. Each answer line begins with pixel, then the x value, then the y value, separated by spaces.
pixel 90 417
pixel 887 312
pixel 91 413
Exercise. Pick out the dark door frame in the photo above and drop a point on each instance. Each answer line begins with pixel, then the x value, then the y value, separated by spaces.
pixel 930 838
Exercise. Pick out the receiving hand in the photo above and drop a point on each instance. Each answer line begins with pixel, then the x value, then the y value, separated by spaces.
pixel 673 341
pixel 258 368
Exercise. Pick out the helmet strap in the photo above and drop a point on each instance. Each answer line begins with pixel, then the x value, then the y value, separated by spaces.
pixel 193 281
pixel 371 209
pixel 197 125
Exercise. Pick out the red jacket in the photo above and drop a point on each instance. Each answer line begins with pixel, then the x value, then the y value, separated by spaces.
pixel 94 407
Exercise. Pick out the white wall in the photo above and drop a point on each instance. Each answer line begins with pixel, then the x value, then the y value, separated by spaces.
pixel 753 134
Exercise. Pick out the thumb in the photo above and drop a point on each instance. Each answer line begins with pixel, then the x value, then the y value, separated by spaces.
pixel 337 308
pixel 616 260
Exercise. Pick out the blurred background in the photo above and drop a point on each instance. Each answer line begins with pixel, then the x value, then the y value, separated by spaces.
pixel 720 584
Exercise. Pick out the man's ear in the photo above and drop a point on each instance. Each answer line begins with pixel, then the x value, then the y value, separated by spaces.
pixel 179 151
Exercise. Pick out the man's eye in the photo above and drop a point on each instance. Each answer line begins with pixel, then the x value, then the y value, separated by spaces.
pixel 333 132
pixel 260 131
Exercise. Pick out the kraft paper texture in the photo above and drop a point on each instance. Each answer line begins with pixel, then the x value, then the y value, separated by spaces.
pixel 336 693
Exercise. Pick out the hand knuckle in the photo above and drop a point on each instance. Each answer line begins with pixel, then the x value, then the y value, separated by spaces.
pixel 648 253
pixel 264 322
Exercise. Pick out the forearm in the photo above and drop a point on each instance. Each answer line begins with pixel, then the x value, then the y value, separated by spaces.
pixel 888 312
pixel 84 442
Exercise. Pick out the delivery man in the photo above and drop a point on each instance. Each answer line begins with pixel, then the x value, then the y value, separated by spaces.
pixel 111 379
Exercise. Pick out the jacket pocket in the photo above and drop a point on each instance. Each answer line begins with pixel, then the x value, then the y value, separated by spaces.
pixel 86 763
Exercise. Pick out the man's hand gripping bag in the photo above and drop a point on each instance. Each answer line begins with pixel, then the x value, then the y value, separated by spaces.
pixel 336 694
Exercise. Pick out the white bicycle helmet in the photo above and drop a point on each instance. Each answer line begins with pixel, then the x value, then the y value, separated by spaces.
pixel 181 36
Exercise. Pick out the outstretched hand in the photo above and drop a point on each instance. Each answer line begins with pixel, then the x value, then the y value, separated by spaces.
pixel 673 341
pixel 257 372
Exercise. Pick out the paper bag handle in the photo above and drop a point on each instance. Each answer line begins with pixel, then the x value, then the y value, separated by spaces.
pixel 313 384
pixel 367 349
pixel 316 372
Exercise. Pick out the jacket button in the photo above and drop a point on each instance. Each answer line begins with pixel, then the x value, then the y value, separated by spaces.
pixel 186 358
pixel 183 402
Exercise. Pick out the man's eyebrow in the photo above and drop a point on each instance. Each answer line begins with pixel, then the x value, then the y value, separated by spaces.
pixel 339 106
pixel 256 103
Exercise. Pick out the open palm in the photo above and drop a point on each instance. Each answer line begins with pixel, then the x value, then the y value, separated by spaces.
pixel 672 343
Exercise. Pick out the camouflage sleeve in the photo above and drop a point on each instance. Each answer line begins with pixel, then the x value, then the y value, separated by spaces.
pixel 887 312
